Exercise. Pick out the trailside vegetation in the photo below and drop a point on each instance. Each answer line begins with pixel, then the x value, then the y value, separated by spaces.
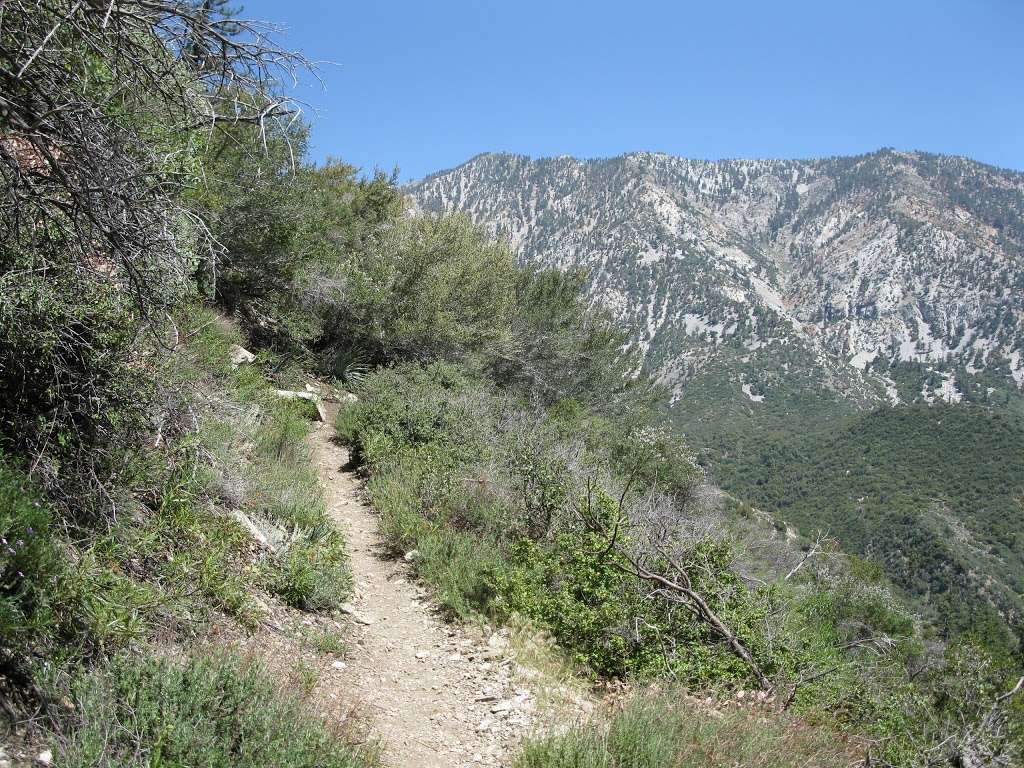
pixel 131 449
pixel 590 518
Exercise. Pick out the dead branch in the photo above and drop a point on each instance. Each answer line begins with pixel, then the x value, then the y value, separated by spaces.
pixel 85 181
pixel 675 585
pixel 815 549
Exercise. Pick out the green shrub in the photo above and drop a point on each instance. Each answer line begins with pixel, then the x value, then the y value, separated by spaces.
pixel 253 201
pixel 586 592
pixel 460 568
pixel 313 573
pixel 457 564
pixel 30 562
pixel 71 600
pixel 576 589
pixel 397 497
pixel 282 435
pixel 439 408
pixel 668 730
pixel 587 596
pixel 426 288
pixel 109 609
pixel 205 711
pixel 70 386
pixel 207 549
pixel 289 495
pixel 171 562
pixel 563 348
pixel 328 641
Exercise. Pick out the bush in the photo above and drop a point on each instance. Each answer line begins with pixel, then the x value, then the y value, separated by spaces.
pixel 437 409
pixel 312 574
pixel 205 711
pixel 281 436
pixel 206 548
pixel 576 589
pixel 30 562
pixel 587 595
pixel 426 288
pixel 397 496
pixel 68 387
pixel 460 568
pixel 668 730
pixel 562 347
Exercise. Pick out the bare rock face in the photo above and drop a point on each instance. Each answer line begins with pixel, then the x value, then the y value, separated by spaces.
pixel 311 397
pixel 240 356
pixel 889 277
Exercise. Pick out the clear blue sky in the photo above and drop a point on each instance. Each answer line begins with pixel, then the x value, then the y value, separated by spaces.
pixel 426 85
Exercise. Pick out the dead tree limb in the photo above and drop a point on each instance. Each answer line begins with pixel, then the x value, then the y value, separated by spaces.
pixel 674 586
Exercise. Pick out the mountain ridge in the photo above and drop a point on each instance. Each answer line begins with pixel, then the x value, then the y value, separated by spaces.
pixel 766 222
pixel 659 153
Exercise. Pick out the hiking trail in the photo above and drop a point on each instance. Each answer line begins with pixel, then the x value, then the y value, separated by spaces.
pixel 439 695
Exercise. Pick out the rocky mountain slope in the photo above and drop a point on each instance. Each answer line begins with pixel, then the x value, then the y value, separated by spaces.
pixel 889 277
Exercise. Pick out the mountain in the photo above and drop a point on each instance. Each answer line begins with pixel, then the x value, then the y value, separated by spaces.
pixel 857 265
pixel 783 302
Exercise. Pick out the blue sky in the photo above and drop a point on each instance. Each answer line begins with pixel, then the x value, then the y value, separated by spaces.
pixel 426 85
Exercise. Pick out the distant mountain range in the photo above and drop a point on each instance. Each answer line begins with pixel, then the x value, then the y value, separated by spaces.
pixel 781 300
pixel 856 266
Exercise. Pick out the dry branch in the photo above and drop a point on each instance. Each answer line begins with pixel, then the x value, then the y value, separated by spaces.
pixel 96 101
pixel 673 583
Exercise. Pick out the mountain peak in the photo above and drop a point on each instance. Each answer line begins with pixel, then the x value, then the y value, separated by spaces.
pixel 893 276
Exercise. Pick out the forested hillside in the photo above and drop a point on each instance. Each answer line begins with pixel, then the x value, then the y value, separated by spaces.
pixel 178 279
pixel 934 492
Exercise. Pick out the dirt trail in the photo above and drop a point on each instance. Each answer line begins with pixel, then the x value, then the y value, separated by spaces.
pixel 440 696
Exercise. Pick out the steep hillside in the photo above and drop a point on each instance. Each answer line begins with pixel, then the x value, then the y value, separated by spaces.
pixel 780 301
pixel 936 492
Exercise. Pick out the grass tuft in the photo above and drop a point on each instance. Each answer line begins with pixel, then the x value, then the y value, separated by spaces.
pixel 208 710
pixel 667 730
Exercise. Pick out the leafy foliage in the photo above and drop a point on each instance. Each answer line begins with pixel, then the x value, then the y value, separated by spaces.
pixel 67 384
pixel 29 560
pixel 668 729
